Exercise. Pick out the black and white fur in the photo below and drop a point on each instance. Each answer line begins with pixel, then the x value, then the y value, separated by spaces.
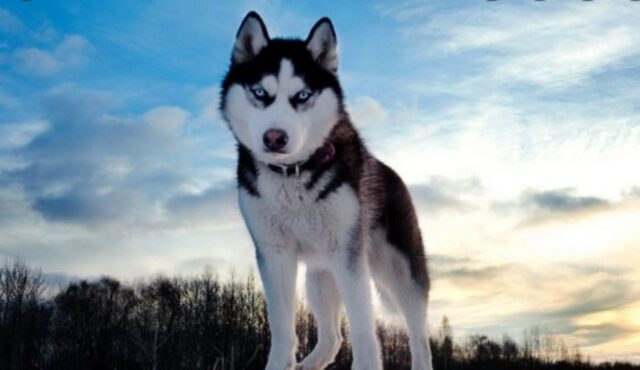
pixel 322 198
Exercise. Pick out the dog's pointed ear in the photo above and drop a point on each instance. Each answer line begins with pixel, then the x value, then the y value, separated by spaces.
pixel 323 45
pixel 252 36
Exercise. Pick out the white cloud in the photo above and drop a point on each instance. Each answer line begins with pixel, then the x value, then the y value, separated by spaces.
pixel 551 44
pixel 166 119
pixel 70 52
pixel 571 299
pixel 366 111
pixel 36 61
pixel 405 10
pixel 209 101
pixel 17 135
pixel 10 162
pixel 510 147
pixel 569 61
pixel 527 104
pixel 98 186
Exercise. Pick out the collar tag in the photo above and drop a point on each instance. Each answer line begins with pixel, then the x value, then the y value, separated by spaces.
pixel 325 153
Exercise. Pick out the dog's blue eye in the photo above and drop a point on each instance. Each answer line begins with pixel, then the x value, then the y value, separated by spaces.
pixel 259 92
pixel 303 96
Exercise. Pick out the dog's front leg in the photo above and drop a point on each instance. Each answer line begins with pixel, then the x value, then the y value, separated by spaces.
pixel 278 268
pixel 351 272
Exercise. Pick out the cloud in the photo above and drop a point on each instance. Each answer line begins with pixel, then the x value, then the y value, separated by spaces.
pixel 633 192
pixel 558 45
pixel 607 293
pixel 40 52
pixel 83 165
pixel 90 167
pixel 36 61
pixel 216 205
pixel 585 303
pixel 512 142
pixel 88 188
pixel 562 200
pixel 544 208
pixel 10 163
pixel 440 193
pixel 209 100
pixel 14 136
pixel 366 111
pixel 567 63
pixel 168 119
pixel 460 112
pixel 433 198
pixel 403 11
pixel 8 22
pixel 17 135
pixel 87 205
pixel 464 270
pixel 604 294
pixel 592 335
pixel 14 205
pixel 70 52
pixel 470 275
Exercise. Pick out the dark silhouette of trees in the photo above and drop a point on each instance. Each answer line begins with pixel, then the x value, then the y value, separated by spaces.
pixel 204 323
pixel 24 318
pixel 444 345
pixel 91 325
pixel 155 318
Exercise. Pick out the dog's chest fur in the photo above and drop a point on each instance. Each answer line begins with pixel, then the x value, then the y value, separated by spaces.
pixel 289 212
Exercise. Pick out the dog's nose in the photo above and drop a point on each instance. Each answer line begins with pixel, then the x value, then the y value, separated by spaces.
pixel 275 139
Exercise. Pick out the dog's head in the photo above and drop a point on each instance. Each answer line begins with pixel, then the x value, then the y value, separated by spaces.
pixel 281 97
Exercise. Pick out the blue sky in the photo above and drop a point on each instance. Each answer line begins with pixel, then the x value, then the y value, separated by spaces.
pixel 516 126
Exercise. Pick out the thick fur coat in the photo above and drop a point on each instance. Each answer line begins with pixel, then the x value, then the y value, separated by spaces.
pixel 310 191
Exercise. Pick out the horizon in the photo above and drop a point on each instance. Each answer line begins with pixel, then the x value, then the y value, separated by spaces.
pixel 515 126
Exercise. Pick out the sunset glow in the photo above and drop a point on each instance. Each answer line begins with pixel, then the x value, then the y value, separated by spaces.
pixel 516 126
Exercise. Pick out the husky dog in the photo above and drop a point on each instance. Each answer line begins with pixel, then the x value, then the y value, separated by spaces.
pixel 309 190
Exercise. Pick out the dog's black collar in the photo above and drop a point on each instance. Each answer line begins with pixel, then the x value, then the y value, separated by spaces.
pixel 323 155
pixel 290 169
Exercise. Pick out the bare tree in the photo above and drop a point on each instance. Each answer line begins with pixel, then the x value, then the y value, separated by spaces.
pixel 509 349
pixel 445 337
pixel 89 325
pixel 23 319
pixel 204 323
pixel 155 315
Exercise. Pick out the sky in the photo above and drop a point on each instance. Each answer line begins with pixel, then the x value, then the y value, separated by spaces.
pixel 516 126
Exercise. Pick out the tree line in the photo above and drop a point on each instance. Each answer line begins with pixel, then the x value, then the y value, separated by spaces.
pixel 202 322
